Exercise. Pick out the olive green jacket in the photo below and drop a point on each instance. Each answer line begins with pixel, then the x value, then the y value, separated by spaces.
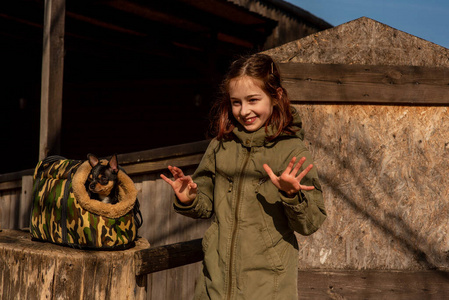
pixel 250 249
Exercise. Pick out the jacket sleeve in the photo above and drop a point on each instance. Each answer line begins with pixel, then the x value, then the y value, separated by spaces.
pixel 204 177
pixel 306 211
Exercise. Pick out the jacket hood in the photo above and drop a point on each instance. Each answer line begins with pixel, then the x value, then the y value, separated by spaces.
pixel 258 138
pixel 297 123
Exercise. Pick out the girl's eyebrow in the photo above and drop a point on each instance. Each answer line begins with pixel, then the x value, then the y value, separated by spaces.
pixel 246 97
pixel 252 95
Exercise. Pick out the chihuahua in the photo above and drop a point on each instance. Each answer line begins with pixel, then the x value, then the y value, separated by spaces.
pixel 102 181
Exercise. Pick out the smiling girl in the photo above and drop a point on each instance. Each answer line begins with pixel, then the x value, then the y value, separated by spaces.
pixel 250 181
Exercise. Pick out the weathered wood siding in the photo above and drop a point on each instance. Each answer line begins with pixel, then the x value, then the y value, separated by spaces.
pixel 162 226
pixel 15 203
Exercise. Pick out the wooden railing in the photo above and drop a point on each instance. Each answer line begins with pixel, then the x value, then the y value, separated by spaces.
pixel 168 257
pixel 155 160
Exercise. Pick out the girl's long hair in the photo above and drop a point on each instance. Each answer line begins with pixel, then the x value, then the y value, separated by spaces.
pixel 262 68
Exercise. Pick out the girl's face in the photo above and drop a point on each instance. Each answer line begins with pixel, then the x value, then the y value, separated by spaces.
pixel 251 106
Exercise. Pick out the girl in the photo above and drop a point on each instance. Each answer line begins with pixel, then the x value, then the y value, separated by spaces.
pixel 249 181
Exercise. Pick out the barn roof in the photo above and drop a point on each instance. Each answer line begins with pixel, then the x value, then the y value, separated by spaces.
pixel 294 12
pixel 363 41
pixel 159 28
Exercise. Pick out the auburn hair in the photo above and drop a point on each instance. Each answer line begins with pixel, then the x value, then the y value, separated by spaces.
pixel 263 69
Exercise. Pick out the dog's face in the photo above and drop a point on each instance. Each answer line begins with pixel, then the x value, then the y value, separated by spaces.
pixel 103 178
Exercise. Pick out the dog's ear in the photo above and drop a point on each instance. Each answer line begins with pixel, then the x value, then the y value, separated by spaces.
pixel 93 160
pixel 113 163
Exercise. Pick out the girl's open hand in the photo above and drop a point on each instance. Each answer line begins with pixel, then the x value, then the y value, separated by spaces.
pixel 289 182
pixel 183 186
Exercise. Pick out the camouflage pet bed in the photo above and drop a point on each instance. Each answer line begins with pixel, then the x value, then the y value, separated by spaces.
pixel 63 213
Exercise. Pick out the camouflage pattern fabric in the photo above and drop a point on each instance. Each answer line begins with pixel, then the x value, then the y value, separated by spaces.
pixel 57 217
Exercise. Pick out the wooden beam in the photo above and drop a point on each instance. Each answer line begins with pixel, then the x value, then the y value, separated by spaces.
pixel 15 176
pixel 103 24
pixel 167 257
pixel 52 78
pixel 154 166
pixel 10 185
pixel 366 84
pixel 147 12
pixel 373 284
pixel 199 18
pixel 164 153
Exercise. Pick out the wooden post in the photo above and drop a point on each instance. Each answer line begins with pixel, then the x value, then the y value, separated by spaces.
pixel 52 77
pixel 37 270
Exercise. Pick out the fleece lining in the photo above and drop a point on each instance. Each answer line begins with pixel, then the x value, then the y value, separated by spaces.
pixel 127 194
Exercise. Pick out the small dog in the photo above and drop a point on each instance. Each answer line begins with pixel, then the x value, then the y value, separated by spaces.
pixel 101 183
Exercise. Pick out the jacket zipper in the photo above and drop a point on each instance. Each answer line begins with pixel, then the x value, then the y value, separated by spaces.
pixel 259 184
pixel 235 225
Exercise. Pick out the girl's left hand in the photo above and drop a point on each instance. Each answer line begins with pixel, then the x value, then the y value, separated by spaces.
pixel 288 181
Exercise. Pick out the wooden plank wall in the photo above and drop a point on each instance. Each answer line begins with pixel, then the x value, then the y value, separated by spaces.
pixel 8 200
pixel 15 203
pixel 162 226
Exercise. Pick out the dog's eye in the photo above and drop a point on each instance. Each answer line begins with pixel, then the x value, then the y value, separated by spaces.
pixel 103 180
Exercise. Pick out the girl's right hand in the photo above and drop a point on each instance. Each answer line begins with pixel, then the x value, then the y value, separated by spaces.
pixel 290 181
pixel 183 186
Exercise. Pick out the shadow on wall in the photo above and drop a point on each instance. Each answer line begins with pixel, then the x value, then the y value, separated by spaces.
pixel 383 173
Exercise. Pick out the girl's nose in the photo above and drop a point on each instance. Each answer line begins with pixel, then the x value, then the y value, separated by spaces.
pixel 245 109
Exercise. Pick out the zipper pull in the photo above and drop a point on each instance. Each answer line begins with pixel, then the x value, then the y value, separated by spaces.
pixel 231 183
pixel 261 181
